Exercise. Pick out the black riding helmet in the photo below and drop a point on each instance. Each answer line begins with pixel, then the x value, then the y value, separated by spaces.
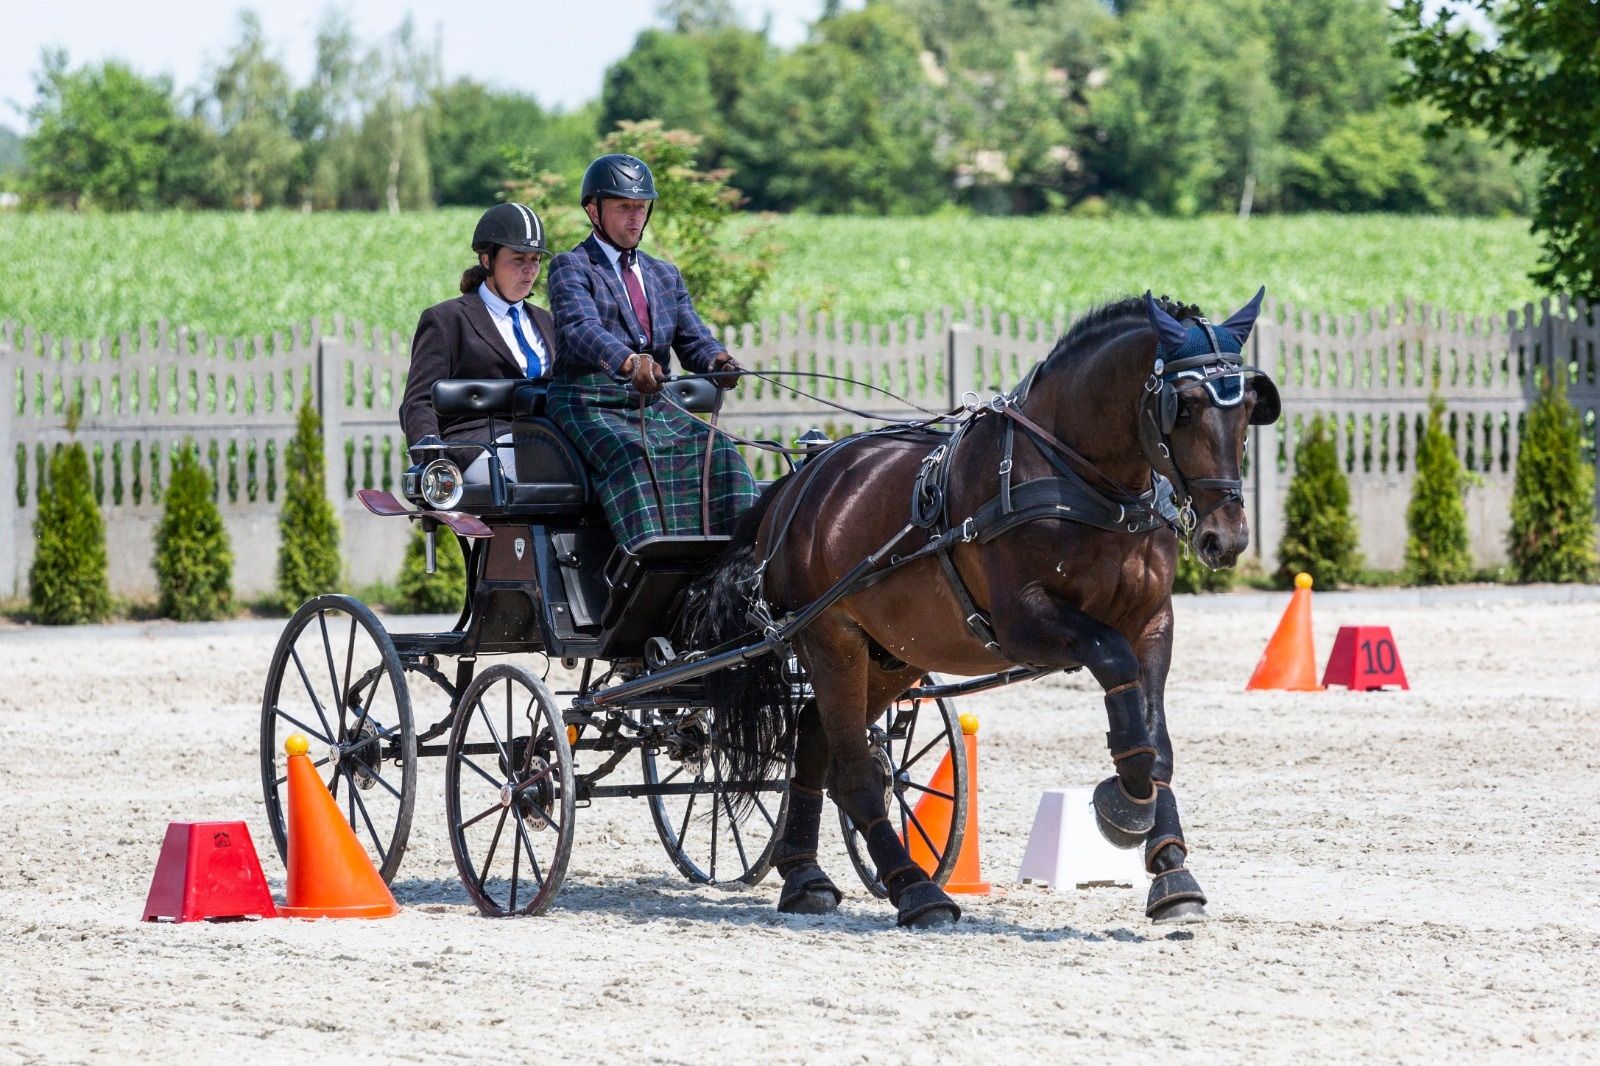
pixel 509 226
pixel 624 176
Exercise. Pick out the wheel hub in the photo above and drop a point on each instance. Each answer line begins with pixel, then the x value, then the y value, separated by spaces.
pixel 539 795
pixel 886 773
pixel 365 751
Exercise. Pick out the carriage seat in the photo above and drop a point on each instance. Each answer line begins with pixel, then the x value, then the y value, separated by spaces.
pixel 551 477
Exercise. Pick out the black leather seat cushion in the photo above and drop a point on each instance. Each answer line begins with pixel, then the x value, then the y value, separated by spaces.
pixel 501 397
pixel 550 474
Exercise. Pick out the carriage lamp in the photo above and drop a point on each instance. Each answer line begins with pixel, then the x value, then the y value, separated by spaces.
pixel 440 485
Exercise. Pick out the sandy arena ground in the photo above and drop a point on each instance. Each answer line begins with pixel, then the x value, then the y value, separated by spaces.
pixel 1398 876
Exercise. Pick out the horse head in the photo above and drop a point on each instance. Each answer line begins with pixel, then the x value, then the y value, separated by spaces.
pixel 1193 413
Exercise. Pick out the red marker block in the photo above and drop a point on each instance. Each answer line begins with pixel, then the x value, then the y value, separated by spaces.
pixel 1364 658
pixel 208 870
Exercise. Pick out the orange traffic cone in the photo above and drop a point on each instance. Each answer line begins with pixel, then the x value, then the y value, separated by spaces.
pixel 934 813
pixel 330 875
pixel 1290 662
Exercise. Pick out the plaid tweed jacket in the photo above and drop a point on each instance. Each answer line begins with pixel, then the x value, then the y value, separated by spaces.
pixel 595 326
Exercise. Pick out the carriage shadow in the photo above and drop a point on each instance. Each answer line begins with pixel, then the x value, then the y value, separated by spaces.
pixel 666 899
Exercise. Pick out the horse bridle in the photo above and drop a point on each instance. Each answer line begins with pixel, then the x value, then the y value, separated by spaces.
pixel 1222 374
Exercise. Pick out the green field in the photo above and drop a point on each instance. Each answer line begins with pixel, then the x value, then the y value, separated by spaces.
pixel 92 275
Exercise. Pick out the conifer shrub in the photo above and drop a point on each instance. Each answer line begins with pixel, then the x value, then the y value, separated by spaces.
pixel 308 530
pixel 193 560
pixel 1319 532
pixel 1438 550
pixel 443 590
pixel 68 583
pixel 1552 534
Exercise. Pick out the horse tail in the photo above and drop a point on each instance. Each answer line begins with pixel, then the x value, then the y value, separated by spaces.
pixel 753 705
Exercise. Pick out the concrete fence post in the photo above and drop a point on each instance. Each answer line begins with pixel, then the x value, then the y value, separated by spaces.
pixel 330 407
pixel 1266 507
pixel 11 524
pixel 960 361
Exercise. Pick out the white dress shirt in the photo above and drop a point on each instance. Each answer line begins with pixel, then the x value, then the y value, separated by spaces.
pixel 501 312
pixel 614 256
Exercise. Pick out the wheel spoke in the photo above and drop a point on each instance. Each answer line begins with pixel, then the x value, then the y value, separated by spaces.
pixel 483 878
pixel 480 771
pixel 536 778
pixel 505 756
pixel 716 775
pixel 355 795
pixel 771 821
pixel 333 676
pixel 281 713
pixel 349 655
pixel 738 841
pixel 320 762
pixel 533 862
pixel 931 791
pixel 909 763
pixel 305 680
pixel 907 812
pixel 683 829
pixel 377 776
pixel 911 730
pixel 516 868
pixel 542 813
pixel 476 818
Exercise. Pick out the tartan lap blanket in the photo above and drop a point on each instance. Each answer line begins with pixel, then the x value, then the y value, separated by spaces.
pixel 602 419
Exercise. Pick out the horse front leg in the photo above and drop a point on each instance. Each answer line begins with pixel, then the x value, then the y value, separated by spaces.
pixel 1049 633
pixel 1175 896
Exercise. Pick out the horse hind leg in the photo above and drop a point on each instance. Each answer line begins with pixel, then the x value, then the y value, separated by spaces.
pixel 849 687
pixel 806 888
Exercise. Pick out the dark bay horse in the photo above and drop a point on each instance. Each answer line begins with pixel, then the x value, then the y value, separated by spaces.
pixel 1062 544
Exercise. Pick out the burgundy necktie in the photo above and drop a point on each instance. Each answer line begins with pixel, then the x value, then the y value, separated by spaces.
pixel 641 309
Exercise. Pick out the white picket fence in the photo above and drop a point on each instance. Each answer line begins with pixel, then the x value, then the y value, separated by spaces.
pixel 143 395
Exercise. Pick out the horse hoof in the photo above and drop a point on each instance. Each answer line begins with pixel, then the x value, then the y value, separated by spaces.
pixel 809 901
pixel 1175 897
pixel 807 890
pixel 935 918
pixel 1184 912
pixel 925 906
pixel 1123 820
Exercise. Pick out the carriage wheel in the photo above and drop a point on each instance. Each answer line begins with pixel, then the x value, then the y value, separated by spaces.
pixel 508 793
pixel 909 742
pixel 709 836
pixel 336 678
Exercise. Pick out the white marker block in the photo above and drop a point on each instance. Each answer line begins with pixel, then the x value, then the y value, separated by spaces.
pixel 1066 850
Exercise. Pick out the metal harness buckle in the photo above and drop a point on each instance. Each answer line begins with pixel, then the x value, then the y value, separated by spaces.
pixel 969 529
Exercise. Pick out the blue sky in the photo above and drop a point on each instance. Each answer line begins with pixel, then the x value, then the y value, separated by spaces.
pixel 557 50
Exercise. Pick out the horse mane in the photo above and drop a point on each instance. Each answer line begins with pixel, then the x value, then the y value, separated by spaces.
pixel 1100 320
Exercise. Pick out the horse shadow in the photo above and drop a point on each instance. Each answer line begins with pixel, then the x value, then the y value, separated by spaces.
pixel 645 900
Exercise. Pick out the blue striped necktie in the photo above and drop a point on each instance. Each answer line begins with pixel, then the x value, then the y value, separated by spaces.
pixel 534 367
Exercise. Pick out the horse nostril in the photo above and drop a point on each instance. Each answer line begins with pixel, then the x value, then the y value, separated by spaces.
pixel 1210 544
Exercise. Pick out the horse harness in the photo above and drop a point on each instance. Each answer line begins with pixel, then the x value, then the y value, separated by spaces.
pixel 1065 496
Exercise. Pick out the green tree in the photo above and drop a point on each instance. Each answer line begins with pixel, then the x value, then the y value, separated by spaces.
pixel 308 530
pixel 665 78
pixel 193 559
pixel 105 137
pixel 1552 535
pixel 473 132
pixel 397 79
pixel 844 125
pixel 1533 86
pixel 1438 551
pixel 1319 532
pixel 443 590
pixel 323 118
pixel 1372 161
pixel 10 151
pixel 252 97
pixel 1157 113
pixel 68 583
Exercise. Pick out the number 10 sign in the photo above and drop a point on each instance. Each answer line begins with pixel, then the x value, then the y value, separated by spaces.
pixel 1364 658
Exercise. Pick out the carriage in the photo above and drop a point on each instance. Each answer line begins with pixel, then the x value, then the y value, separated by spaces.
pixel 547 584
